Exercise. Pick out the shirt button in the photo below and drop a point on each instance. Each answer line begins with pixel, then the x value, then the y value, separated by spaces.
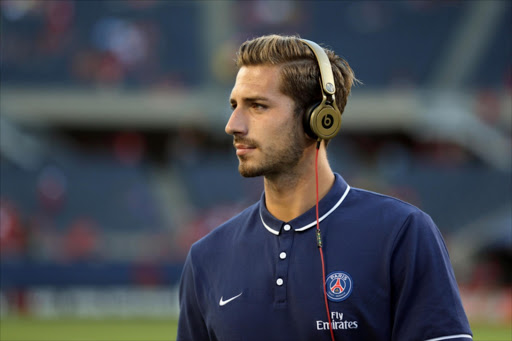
pixel 279 281
pixel 282 255
pixel 287 227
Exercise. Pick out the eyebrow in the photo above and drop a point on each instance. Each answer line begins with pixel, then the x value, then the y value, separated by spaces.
pixel 250 99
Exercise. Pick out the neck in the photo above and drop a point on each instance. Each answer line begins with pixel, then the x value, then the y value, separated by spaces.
pixel 289 195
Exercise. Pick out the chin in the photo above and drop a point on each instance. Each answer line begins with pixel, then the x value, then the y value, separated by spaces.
pixel 249 172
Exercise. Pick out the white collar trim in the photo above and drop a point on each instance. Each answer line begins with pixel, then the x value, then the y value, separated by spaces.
pixel 314 222
pixel 327 214
pixel 268 227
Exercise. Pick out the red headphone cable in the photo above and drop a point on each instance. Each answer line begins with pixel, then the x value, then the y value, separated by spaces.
pixel 319 243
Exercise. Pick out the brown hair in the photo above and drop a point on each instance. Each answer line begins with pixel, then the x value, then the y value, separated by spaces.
pixel 300 73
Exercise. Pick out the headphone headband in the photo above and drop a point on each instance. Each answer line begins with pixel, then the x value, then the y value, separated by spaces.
pixel 323 120
pixel 325 66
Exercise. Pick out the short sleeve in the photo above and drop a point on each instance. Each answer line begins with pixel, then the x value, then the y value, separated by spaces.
pixel 191 325
pixel 425 296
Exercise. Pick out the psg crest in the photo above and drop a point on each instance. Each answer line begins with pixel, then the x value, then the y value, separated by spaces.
pixel 338 286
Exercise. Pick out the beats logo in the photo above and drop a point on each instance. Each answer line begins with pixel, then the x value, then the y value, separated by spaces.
pixel 327 121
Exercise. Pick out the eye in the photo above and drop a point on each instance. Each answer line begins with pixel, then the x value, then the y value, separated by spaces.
pixel 232 106
pixel 258 106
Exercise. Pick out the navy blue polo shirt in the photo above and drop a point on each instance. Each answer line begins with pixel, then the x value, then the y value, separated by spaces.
pixel 388 275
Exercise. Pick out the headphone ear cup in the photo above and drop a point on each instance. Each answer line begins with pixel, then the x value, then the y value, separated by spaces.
pixel 307 121
pixel 323 121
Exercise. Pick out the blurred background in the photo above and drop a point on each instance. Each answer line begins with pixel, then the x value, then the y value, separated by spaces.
pixel 114 160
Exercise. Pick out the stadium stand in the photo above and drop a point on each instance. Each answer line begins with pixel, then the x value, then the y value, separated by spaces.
pixel 112 149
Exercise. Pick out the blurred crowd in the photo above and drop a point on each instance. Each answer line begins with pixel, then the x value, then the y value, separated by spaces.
pixel 126 195
pixel 155 43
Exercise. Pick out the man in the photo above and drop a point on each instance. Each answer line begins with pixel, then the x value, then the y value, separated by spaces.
pixel 382 273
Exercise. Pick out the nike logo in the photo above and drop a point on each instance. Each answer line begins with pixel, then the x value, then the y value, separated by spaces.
pixel 222 302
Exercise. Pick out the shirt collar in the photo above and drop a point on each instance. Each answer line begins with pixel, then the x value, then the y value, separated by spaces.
pixel 327 205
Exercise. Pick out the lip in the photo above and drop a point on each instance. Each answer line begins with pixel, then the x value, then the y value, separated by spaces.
pixel 243 149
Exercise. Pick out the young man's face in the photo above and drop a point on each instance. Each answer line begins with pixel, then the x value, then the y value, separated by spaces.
pixel 268 138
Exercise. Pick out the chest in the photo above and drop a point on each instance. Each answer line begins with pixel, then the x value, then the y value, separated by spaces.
pixel 277 283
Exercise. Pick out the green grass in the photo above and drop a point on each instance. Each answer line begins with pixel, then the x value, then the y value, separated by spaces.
pixel 31 329
pixel 492 332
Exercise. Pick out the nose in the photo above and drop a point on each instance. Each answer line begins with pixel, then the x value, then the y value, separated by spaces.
pixel 236 124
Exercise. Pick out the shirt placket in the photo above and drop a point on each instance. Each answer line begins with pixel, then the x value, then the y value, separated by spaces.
pixel 282 262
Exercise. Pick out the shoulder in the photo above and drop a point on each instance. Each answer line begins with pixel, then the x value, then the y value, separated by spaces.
pixel 376 200
pixel 388 215
pixel 382 207
pixel 225 233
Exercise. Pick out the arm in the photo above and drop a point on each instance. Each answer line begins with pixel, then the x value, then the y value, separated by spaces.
pixel 425 295
pixel 191 324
